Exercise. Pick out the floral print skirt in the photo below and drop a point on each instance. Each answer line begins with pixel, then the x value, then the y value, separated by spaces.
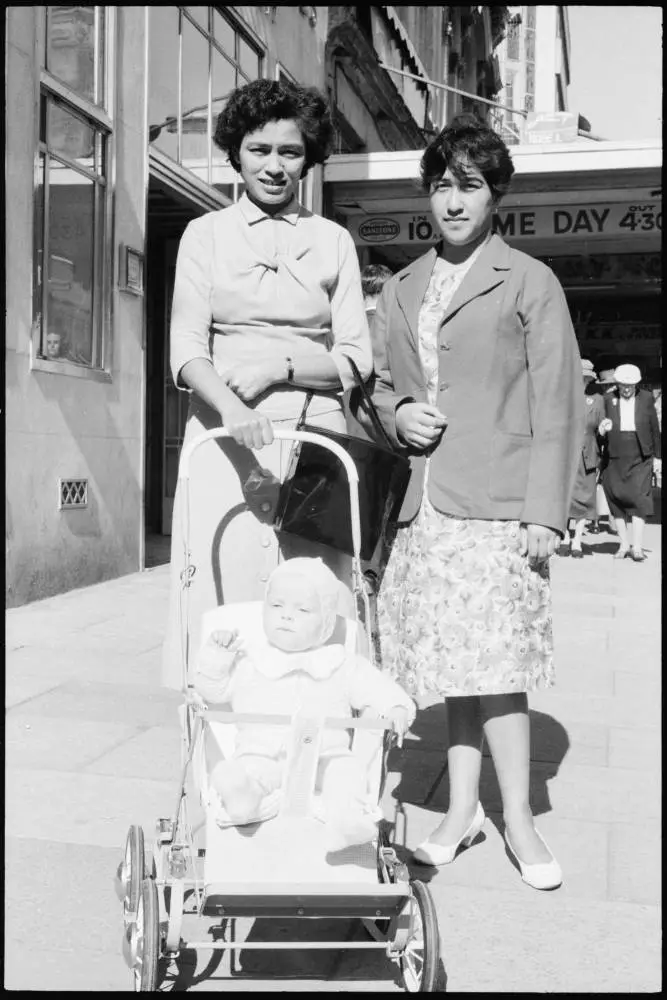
pixel 461 611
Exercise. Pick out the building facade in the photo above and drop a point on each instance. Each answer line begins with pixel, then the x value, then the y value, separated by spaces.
pixel 108 122
pixel 380 60
pixel 110 112
pixel 534 66
pixel 109 116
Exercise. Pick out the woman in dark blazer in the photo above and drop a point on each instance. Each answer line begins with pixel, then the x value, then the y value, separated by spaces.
pixel 633 449
pixel 478 379
pixel 583 504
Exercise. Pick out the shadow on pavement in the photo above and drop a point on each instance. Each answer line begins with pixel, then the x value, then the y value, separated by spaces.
pixel 186 973
pixel 424 781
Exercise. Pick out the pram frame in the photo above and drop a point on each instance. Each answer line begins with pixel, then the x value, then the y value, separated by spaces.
pixel 153 924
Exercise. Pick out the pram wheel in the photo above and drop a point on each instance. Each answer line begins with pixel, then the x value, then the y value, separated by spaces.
pixel 147 939
pixel 131 873
pixel 420 960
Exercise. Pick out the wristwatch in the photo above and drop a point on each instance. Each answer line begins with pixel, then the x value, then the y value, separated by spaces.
pixel 290 370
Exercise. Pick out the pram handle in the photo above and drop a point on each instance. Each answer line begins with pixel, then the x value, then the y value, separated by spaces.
pixel 280 434
pixel 285 434
pixel 256 718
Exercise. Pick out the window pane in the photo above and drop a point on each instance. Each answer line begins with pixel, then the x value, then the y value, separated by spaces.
pixel 163 78
pixel 223 82
pixel 248 60
pixel 70 136
pixel 200 15
pixel 513 42
pixel 38 236
pixel 224 34
pixel 71 50
pixel 69 268
pixel 195 145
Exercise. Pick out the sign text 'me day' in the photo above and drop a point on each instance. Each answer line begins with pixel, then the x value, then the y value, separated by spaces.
pixel 541 221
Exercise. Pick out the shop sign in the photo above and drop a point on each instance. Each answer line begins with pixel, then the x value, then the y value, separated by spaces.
pixel 377 230
pixel 539 222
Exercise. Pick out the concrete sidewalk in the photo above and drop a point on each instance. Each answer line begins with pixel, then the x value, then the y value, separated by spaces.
pixel 93 745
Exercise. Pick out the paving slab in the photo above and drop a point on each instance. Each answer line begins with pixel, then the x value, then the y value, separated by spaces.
pixel 635 861
pixel 74 808
pixel 155 752
pixel 81 698
pixel 546 943
pixel 59 744
pixel 640 750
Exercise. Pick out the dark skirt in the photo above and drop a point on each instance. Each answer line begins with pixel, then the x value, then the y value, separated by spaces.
pixel 627 480
pixel 583 495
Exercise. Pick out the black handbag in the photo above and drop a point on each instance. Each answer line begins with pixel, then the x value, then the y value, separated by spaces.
pixel 314 499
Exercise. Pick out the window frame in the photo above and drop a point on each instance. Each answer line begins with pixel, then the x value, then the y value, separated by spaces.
pixel 241 32
pixel 101 118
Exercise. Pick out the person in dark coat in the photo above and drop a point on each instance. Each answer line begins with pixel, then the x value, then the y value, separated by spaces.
pixel 633 453
pixel 583 504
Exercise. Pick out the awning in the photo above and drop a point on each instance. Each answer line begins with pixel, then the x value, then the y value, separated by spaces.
pixel 563 199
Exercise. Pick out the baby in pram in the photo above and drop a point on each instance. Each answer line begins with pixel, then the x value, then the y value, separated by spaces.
pixel 292 666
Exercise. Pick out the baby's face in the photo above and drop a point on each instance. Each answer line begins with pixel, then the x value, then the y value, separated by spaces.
pixel 292 615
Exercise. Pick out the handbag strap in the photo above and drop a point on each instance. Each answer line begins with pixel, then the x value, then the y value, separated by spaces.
pixel 370 406
pixel 306 403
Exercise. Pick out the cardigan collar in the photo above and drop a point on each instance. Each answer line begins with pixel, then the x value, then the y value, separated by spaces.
pixel 488 271
pixel 253 214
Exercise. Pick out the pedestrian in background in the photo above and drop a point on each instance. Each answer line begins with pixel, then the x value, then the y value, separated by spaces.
pixel 267 305
pixel 633 448
pixel 582 505
pixel 479 380
pixel 373 278
pixel 604 385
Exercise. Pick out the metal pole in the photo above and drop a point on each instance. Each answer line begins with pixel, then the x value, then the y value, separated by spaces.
pixel 453 90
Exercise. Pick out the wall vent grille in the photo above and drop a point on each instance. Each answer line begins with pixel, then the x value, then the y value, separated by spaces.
pixel 72 494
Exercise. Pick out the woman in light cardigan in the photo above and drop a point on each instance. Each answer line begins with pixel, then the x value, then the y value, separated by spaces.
pixel 267 306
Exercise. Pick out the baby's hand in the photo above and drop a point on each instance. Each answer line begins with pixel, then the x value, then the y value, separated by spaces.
pixel 224 639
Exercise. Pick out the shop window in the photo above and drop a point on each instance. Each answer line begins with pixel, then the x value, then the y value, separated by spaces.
pixel 74 48
pixel 198 55
pixel 72 231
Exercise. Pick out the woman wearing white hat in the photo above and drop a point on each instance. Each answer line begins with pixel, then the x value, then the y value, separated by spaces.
pixel 583 505
pixel 633 448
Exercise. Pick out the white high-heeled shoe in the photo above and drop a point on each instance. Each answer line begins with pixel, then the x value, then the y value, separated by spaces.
pixel 430 853
pixel 547 875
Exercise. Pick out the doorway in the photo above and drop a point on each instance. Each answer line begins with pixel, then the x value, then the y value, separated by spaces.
pixel 166 406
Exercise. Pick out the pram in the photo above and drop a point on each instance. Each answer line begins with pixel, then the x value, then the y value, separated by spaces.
pixel 246 872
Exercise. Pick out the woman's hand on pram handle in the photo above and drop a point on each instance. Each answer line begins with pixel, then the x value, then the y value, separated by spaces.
pixel 192 697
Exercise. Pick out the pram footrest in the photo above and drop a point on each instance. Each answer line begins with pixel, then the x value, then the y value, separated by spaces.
pixel 346 900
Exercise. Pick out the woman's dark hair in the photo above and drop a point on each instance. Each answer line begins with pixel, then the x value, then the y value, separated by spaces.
pixel 250 108
pixel 373 278
pixel 467 139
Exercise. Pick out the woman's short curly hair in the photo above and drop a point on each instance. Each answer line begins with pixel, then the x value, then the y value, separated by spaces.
pixel 467 139
pixel 250 108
